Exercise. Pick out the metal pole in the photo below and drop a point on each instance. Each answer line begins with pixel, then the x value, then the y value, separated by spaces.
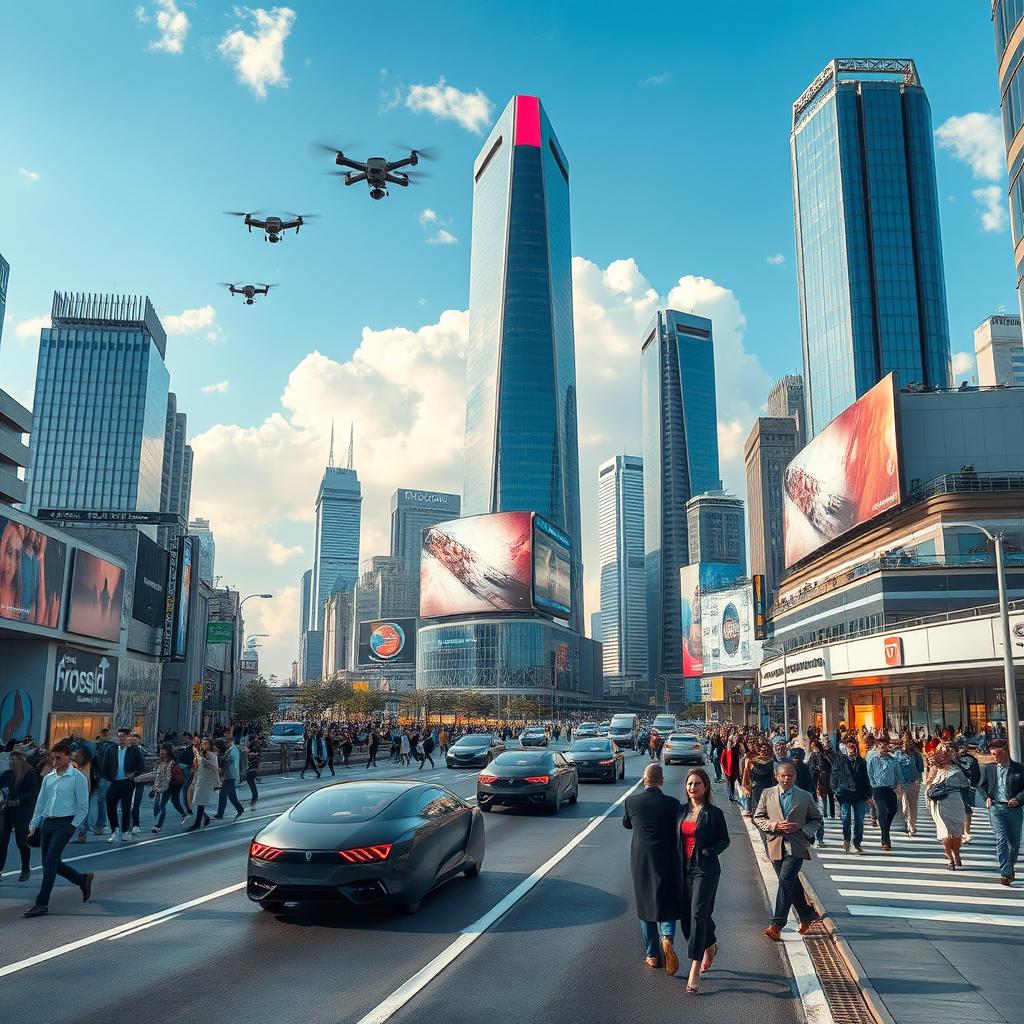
pixel 785 696
pixel 1012 717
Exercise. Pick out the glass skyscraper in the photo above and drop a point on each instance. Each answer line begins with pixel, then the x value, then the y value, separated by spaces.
pixel 623 616
pixel 522 452
pixel 680 439
pixel 100 405
pixel 869 255
pixel 1008 22
pixel 336 539
pixel 200 529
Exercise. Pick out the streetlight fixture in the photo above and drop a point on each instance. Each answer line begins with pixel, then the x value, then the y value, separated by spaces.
pixel 251 596
pixel 779 649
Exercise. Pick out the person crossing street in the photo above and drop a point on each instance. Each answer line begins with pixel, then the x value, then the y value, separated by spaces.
pixel 1002 783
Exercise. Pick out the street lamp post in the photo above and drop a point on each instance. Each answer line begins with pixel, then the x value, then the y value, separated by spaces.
pixel 251 596
pixel 779 649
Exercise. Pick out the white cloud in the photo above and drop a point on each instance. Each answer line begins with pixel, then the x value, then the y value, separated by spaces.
pixel 280 553
pixel 221 388
pixel 472 110
pixel 427 216
pixel 442 237
pixel 659 79
pixel 963 364
pixel 992 200
pixel 776 260
pixel 28 330
pixel 172 23
pixel 259 57
pixel 976 140
pixel 188 321
pixel 389 96
pixel 27 176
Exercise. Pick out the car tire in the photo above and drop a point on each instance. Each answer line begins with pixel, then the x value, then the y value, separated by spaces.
pixel 272 906
pixel 486 808
pixel 575 794
pixel 556 806
pixel 412 908
pixel 472 871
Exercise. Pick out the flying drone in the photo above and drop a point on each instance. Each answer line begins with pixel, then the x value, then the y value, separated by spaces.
pixel 273 227
pixel 377 171
pixel 247 291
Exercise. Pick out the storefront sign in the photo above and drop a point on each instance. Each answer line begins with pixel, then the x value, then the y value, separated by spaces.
pixel 804 666
pixel 197 691
pixel 712 688
pixel 84 682
pixel 220 632
pixel 893 650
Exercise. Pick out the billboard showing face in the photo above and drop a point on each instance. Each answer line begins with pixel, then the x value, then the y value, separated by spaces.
pixel 847 475
pixel 727 629
pixel 31 575
pixel 388 642
pixel 479 564
pixel 97 594
pixel 552 569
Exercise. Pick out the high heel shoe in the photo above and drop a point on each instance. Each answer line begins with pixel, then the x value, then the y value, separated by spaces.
pixel 951 865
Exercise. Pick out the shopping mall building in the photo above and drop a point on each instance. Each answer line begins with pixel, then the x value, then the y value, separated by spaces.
pixel 895 622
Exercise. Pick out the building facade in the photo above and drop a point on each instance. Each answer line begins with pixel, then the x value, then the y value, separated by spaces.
pixel 869 256
pixel 1008 22
pixel 386 589
pixel 337 635
pixel 786 398
pixel 336 538
pixel 999 351
pixel 522 451
pixel 680 459
pixel 176 476
pixel 771 445
pixel 412 511
pixel 100 405
pixel 623 615
pixel 200 529
pixel 5 274
pixel 716 530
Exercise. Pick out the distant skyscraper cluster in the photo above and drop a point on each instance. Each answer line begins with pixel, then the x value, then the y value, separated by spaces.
pixel 200 528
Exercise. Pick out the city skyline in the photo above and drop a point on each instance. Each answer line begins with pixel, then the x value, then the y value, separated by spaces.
pixel 245 433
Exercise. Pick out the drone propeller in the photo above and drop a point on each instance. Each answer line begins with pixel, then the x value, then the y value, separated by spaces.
pixel 329 147
pixel 430 153
pixel 268 286
pixel 415 177
pixel 228 284
pixel 301 216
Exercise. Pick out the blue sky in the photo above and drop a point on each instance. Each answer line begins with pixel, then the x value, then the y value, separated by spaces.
pixel 126 133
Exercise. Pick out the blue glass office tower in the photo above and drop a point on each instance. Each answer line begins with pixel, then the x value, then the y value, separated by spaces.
pixel 336 539
pixel 100 405
pixel 1008 22
pixel 869 255
pixel 680 439
pixel 522 452
pixel 5 273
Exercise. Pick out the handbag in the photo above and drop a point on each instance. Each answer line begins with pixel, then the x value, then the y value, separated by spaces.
pixel 938 791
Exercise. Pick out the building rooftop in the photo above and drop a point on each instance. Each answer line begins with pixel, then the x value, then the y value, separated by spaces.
pixel 95 309
pixel 860 69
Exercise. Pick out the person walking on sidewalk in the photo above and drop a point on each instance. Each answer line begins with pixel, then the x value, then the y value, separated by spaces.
pixel 759 772
pixel 161 788
pixel 942 785
pixel 789 818
pixel 62 806
pixel 22 786
pixel 229 781
pixel 205 779
pixel 312 749
pixel 968 764
pixel 253 753
pixel 1002 782
pixel 120 764
pixel 853 790
pixel 909 771
pixel 426 748
pixel 703 837
pixel 374 742
pixel 730 760
pixel 883 774
pixel 652 816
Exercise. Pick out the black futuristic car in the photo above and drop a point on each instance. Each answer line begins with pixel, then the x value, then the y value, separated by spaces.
pixel 474 751
pixel 597 758
pixel 365 843
pixel 530 778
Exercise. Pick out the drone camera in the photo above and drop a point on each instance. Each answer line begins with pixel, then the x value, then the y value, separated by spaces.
pixel 378 193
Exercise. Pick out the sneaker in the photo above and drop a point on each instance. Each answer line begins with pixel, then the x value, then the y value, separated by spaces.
pixel 821 842
pixel 114 836
pixel 97 831
pixel 860 850
pixel 155 828
pixel 136 830
pixel 185 818
pixel 80 838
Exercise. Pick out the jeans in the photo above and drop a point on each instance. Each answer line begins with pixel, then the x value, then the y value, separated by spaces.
pixel 791 891
pixel 908 794
pixel 227 792
pixel 651 933
pixel 140 791
pixel 885 804
pixel 99 794
pixel 853 812
pixel 1006 827
pixel 54 835
pixel 254 793
pixel 160 807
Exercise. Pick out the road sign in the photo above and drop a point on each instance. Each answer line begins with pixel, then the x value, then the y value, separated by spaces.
pixel 101 516
pixel 220 632
pixel 197 691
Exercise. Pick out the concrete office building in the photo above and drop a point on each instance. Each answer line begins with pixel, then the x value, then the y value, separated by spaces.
pixel 1008 23
pixel 176 476
pixel 716 529
pixel 15 423
pixel 412 511
pixel 787 399
pixel 337 635
pixel 999 351
pixel 200 529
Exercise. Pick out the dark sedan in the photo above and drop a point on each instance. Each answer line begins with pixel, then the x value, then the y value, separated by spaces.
pixel 528 778
pixel 474 751
pixel 597 759
pixel 365 844
pixel 535 736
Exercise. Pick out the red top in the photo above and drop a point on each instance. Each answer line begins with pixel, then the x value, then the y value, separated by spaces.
pixel 689 831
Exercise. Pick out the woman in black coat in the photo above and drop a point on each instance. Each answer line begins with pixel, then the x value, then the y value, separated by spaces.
pixel 703 836
pixel 22 786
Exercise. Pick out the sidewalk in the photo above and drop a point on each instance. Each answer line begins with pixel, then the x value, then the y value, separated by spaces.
pixel 927 943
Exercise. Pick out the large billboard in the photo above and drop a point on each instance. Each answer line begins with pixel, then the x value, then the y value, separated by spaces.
pixel 727 629
pixel 150 582
pixel 689 595
pixel 84 682
pixel 848 474
pixel 97 595
pixel 31 575
pixel 387 642
pixel 552 569
pixel 478 564
pixel 183 599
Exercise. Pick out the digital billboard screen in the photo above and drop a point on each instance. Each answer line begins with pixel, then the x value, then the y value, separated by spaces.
pixel 31 575
pixel 552 569
pixel 97 594
pixel 689 595
pixel 184 584
pixel 478 564
pixel 847 475
pixel 150 582
pixel 727 629
pixel 387 642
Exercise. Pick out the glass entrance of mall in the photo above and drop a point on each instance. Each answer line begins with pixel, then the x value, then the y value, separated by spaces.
pixel 924 710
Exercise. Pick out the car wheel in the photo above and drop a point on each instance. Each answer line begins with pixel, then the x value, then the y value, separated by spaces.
pixel 556 806
pixel 575 794
pixel 622 772
pixel 412 908
pixel 486 808
pixel 272 906
pixel 472 871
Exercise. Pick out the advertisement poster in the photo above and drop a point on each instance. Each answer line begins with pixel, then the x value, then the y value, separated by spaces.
pixel 97 596
pixel 15 716
pixel 727 630
pixel 184 599
pixel 689 594
pixel 150 582
pixel 84 682
pixel 552 569
pixel 31 575
pixel 847 475
pixel 138 697
pixel 479 564
pixel 760 607
pixel 388 642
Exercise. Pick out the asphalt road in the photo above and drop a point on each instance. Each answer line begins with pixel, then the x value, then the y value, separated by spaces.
pixel 170 933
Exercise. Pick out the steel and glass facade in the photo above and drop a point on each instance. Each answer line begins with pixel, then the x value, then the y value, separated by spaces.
pixel 5 273
pixel 620 515
pixel 335 540
pixel 412 511
pixel 521 426
pixel 1008 22
pixel 200 529
pixel 100 406
pixel 869 256
pixel 680 439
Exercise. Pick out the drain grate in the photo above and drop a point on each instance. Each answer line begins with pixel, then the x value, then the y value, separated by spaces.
pixel 842 992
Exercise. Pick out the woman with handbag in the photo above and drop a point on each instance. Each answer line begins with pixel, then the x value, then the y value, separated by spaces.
pixel 205 779
pixel 21 786
pixel 161 791
pixel 943 784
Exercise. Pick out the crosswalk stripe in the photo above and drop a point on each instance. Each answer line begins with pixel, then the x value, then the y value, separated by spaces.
pixel 937 883
pixel 1002 920
pixel 886 894
pixel 902 869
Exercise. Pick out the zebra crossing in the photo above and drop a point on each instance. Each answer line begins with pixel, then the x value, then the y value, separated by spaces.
pixel 913 882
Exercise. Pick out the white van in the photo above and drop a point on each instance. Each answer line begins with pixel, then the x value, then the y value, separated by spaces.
pixel 623 729
pixel 286 732
pixel 664 724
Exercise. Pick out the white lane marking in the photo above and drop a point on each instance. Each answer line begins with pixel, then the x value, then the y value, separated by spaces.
pixel 129 926
pixel 831 866
pixel 938 883
pixel 932 897
pixel 142 928
pixel 1005 920
pixel 812 996
pixel 472 932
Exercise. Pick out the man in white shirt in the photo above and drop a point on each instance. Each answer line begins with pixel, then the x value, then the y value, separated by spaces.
pixel 62 806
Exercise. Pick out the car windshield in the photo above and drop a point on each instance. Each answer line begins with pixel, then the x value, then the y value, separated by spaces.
pixel 535 731
pixel 587 725
pixel 682 737
pixel 474 741
pixel 346 804
pixel 590 747
pixel 286 729
pixel 520 757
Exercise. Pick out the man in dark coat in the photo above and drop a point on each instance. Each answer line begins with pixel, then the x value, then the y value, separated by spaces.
pixel 657 872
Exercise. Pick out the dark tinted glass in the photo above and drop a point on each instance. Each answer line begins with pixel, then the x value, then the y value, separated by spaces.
pixel 475 741
pixel 510 758
pixel 590 747
pixel 344 805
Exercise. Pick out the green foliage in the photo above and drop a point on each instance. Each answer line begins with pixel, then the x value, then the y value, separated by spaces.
pixel 256 702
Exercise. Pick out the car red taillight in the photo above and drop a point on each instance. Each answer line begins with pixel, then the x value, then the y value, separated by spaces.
pixel 262 852
pixel 366 854
pixel 488 779
pixel 538 778
pixel 611 760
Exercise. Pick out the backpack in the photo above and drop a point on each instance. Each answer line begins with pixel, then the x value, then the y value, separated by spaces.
pixel 428 745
